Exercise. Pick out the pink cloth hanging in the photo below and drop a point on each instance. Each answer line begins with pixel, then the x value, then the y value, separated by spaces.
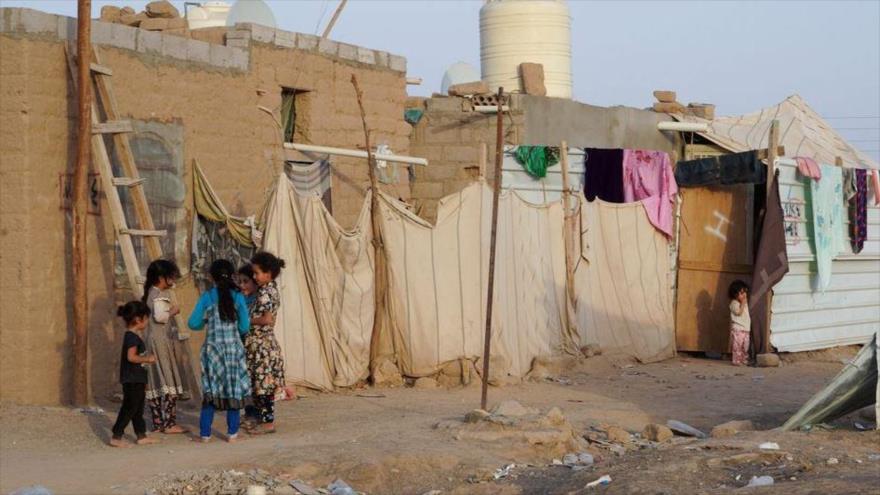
pixel 808 167
pixel 648 177
pixel 875 182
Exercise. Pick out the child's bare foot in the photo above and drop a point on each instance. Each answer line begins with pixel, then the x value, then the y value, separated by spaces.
pixel 146 441
pixel 119 443
pixel 175 430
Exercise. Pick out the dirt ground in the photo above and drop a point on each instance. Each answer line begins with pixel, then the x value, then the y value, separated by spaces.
pixel 387 441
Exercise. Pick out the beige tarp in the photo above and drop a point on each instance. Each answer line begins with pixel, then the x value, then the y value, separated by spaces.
pixel 438 281
pixel 622 282
pixel 326 315
pixel 802 131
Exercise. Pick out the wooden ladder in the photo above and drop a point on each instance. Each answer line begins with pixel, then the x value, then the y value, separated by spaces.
pixel 119 129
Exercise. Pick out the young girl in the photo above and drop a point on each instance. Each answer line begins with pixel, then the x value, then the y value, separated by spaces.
pixel 740 322
pixel 132 374
pixel 265 361
pixel 165 383
pixel 225 381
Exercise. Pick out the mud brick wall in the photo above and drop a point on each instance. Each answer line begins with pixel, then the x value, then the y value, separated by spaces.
pixel 212 90
pixel 449 135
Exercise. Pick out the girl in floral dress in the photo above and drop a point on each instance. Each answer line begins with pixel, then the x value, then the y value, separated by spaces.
pixel 265 362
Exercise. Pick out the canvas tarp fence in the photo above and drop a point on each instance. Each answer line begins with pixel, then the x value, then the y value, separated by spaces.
pixel 622 282
pixel 437 283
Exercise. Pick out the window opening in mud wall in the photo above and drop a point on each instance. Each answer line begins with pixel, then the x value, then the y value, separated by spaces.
pixel 294 110
pixel 158 152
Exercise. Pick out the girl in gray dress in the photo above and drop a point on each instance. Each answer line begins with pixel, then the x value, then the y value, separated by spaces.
pixel 165 382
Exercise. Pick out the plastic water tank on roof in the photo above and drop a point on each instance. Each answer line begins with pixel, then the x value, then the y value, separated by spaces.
pixel 517 31
pixel 252 11
pixel 208 14
pixel 458 73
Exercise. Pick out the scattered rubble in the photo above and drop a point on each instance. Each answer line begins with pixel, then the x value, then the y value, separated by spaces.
pixel 760 481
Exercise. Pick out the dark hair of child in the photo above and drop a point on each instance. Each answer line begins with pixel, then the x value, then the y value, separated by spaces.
pixel 247 270
pixel 268 262
pixel 132 310
pixel 221 272
pixel 156 270
pixel 735 287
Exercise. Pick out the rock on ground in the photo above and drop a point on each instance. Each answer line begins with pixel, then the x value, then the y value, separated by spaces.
pixel 513 409
pixel 425 383
pixel 731 428
pixel 619 435
pixel 162 8
pixel 657 433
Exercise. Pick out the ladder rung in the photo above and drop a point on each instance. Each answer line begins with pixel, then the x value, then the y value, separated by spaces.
pixel 144 233
pixel 128 181
pixel 112 127
pixel 101 69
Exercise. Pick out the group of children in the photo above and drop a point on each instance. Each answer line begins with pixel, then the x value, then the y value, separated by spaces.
pixel 241 361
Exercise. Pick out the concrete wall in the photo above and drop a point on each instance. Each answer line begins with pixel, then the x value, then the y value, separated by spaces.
pixel 213 92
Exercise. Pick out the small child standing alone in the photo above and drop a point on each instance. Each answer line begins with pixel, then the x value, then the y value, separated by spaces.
pixel 132 374
pixel 740 322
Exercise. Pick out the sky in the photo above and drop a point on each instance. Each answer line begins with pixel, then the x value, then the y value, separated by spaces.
pixel 739 55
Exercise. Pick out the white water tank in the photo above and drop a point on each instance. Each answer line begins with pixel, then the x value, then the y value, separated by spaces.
pixel 208 14
pixel 251 11
pixel 458 73
pixel 517 31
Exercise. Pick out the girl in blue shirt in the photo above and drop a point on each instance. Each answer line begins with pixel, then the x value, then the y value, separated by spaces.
pixel 225 380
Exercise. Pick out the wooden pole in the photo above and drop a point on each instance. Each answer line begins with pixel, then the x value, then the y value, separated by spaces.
pixel 772 153
pixel 484 159
pixel 566 204
pixel 80 201
pixel 334 18
pixel 378 245
pixel 496 192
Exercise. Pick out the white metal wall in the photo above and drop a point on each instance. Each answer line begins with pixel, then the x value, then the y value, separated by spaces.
pixel 848 312
pixel 539 191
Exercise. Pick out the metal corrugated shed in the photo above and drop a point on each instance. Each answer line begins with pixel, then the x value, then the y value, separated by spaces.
pixel 848 312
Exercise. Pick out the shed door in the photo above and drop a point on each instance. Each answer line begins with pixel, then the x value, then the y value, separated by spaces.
pixel 715 248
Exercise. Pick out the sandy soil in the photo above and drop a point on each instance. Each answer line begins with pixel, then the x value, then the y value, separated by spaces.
pixel 386 440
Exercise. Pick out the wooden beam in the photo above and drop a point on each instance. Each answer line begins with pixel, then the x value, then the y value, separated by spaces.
pixel 112 127
pixel 128 181
pixel 566 226
pixel 484 159
pixel 380 273
pixel 144 233
pixel 334 18
pixel 80 201
pixel 764 153
pixel 496 193
pixel 772 145
pixel 100 69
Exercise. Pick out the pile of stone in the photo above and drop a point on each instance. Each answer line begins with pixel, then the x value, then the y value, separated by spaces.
pixel 667 103
pixel 232 482
pixel 156 16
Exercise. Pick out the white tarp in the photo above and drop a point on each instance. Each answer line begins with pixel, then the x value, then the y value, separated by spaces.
pixel 802 131
pixel 623 282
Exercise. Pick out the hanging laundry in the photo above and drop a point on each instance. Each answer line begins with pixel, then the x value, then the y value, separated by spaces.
pixel 735 168
pixel 537 159
pixel 875 182
pixel 604 175
pixel 849 184
pixel 771 264
pixel 858 210
pixel 808 167
pixel 826 197
pixel 648 177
